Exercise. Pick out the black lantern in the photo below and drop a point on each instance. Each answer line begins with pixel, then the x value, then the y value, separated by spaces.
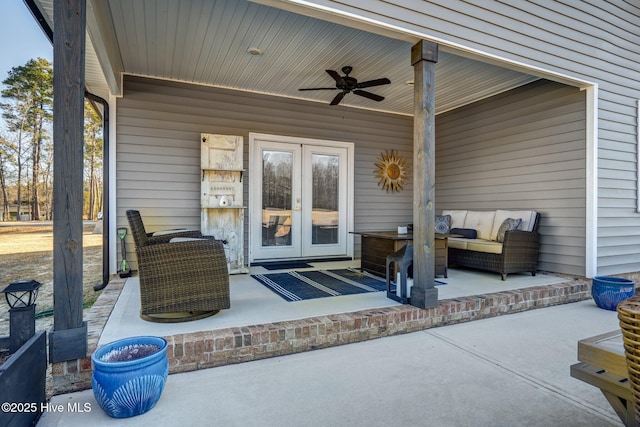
pixel 21 297
pixel 22 293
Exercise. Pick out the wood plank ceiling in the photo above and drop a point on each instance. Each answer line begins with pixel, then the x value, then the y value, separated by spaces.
pixel 208 41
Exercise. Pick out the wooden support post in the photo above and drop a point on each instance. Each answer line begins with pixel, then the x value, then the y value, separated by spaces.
pixel 69 337
pixel 22 326
pixel 424 56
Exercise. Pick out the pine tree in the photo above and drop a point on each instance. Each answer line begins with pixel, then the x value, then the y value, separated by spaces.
pixel 29 89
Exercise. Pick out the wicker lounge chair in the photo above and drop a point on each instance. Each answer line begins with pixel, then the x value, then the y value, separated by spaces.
pixel 181 280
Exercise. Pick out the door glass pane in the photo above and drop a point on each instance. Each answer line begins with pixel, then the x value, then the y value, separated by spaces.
pixel 324 220
pixel 276 197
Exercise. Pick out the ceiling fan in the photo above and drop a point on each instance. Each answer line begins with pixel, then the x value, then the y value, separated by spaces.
pixel 348 84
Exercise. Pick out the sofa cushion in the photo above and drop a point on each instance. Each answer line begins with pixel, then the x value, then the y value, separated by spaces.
pixel 481 245
pixel 528 220
pixel 457 217
pixel 457 242
pixel 442 224
pixel 467 233
pixel 481 221
pixel 507 225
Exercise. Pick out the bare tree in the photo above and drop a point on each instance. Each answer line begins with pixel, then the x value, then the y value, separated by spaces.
pixel 4 160
pixel 15 151
pixel 93 160
pixel 47 183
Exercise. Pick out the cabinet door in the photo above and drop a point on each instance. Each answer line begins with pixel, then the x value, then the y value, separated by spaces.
pixel 221 201
pixel 220 152
pixel 227 224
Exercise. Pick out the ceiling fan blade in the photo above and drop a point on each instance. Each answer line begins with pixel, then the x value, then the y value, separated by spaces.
pixel 376 82
pixel 369 95
pixel 320 88
pixel 338 98
pixel 337 77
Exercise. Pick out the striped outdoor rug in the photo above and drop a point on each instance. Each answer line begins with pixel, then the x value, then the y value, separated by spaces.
pixel 303 285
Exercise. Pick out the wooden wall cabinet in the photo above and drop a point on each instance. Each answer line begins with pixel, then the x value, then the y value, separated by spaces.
pixel 221 199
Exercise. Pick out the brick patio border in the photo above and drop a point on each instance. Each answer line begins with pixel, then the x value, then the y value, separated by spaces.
pixel 207 349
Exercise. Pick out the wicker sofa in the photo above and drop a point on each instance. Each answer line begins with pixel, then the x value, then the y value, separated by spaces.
pixel 506 241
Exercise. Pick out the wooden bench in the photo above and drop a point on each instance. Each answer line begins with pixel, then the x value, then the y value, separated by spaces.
pixel 603 365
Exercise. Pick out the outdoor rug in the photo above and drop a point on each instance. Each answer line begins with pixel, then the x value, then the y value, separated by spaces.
pixel 303 285
pixel 284 265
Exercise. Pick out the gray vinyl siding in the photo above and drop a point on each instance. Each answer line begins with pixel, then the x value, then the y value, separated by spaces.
pixel 524 149
pixel 158 149
pixel 595 40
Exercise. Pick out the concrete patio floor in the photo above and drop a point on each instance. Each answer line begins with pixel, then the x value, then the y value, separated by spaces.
pixel 260 325
pixel 254 304
pixel 503 371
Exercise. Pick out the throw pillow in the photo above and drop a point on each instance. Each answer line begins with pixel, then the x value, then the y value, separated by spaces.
pixel 443 224
pixel 467 233
pixel 507 225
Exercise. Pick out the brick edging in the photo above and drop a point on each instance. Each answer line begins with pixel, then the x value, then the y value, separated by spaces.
pixel 200 350
pixel 207 349
pixel 75 375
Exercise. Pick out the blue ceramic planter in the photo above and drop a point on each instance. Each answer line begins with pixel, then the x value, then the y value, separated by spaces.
pixel 129 375
pixel 608 291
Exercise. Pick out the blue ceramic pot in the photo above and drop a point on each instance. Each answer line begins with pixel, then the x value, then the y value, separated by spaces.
pixel 608 291
pixel 129 375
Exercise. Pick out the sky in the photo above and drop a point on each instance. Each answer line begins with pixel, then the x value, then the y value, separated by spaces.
pixel 21 37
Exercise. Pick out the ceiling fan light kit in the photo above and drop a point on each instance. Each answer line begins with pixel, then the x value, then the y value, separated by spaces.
pixel 347 84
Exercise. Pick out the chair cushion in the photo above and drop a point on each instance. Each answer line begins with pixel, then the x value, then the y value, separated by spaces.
pixel 184 239
pixel 442 224
pixel 481 221
pixel 507 225
pixel 165 232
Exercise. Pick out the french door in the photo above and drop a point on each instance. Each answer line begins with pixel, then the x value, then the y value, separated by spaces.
pixel 300 205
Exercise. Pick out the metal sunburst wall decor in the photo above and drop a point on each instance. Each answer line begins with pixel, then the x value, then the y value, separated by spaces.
pixel 392 171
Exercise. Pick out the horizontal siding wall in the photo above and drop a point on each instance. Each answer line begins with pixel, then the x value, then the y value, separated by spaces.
pixel 158 149
pixel 519 150
pixel 524 149
pixel 594 40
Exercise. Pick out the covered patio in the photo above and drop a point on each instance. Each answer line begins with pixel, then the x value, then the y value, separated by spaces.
pixel 160 115
pixel 260 324
pixel 255 304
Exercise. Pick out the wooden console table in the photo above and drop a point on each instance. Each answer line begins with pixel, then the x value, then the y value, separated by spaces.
pixel 603 364
pixel 376 245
